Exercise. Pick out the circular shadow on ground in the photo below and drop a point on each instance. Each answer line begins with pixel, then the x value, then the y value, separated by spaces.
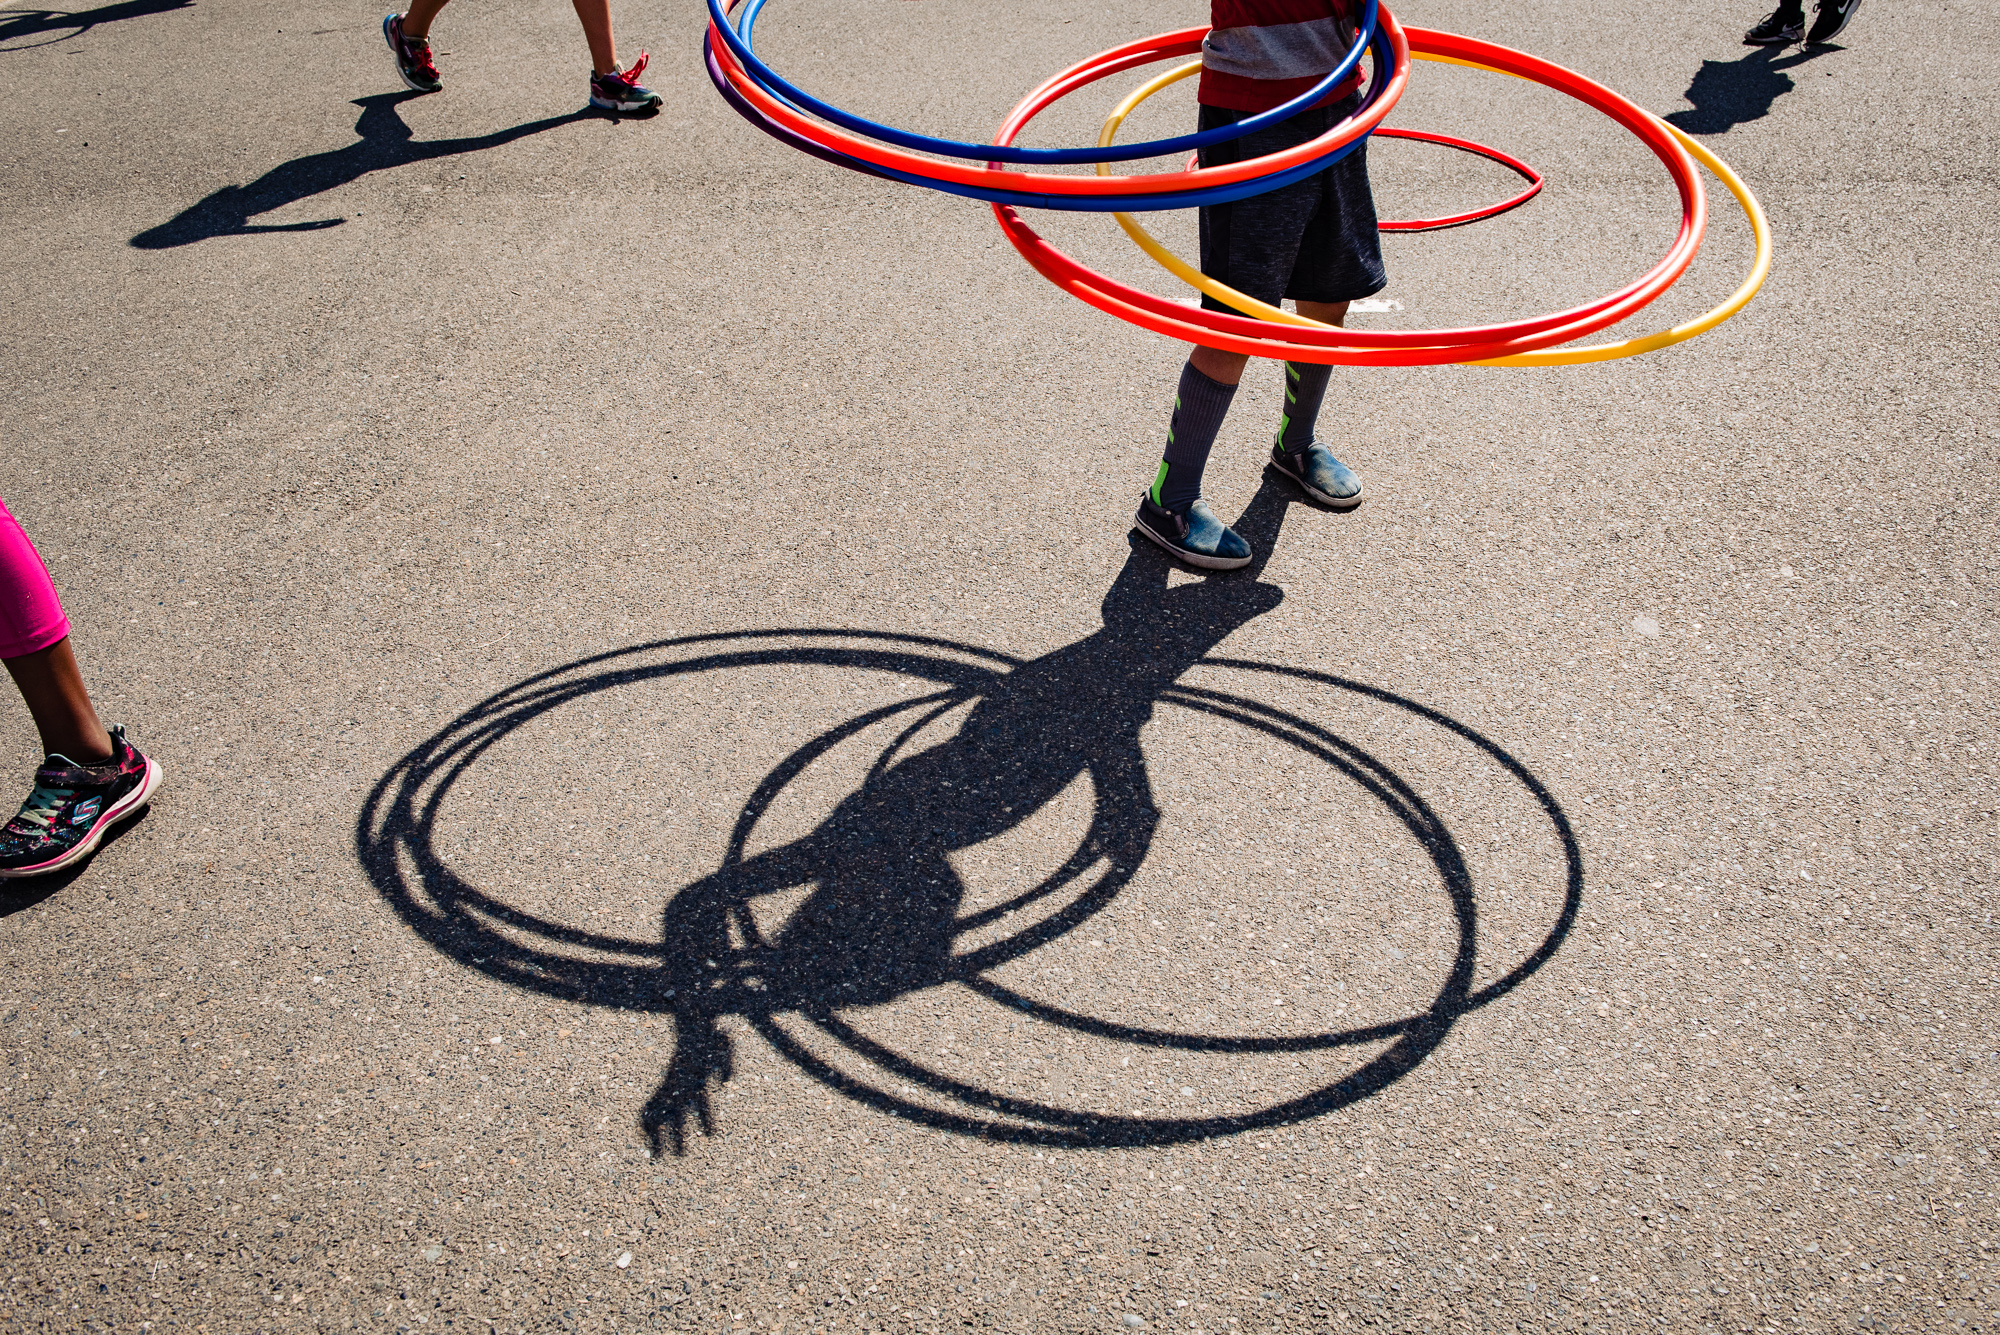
pixel 883 914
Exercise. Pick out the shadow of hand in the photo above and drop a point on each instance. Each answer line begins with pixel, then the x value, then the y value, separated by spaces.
pixel 703 1056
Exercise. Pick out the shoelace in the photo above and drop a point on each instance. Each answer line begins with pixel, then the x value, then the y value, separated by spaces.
pixel 631 77
pixel 417 51
pixel 39 811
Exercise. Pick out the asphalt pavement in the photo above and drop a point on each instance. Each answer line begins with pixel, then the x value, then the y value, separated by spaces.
pixel 686 809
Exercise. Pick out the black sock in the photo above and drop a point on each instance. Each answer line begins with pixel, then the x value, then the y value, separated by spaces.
pixel 1305 390
pixel 1199 408
pixel 1792 11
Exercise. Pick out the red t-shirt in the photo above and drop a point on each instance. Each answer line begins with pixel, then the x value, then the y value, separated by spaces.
pixel 1261 54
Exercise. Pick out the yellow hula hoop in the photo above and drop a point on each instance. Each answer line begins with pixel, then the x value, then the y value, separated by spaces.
pixel 1760 226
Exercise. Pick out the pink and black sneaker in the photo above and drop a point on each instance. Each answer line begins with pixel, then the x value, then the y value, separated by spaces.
pixel 413 57
pixel 72 807
pixel 620 91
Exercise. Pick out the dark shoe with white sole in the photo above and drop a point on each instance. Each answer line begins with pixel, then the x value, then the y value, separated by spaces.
pixel 1318 473
pixel 1196 537
pixel 1781 29
pixel 1831 20
pixel 413 57
pixel 621 91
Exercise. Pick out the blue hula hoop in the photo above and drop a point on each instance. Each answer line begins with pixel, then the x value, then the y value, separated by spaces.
pixel 1378 50
pixel 740 44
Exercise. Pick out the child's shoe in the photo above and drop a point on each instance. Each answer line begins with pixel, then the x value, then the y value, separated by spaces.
pixel 1831 20
pixel 73 806
pixel 1777 30
pixel 621 91
pixel 1323 477
pixel 1197 537
pixel 413 57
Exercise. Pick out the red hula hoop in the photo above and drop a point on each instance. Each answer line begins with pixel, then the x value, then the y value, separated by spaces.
pixel 1348 347
pixel 1507 160
pixel 1142 52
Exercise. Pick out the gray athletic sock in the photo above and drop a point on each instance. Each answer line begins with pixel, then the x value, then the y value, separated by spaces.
pixel 1305 389
pixel 1199 408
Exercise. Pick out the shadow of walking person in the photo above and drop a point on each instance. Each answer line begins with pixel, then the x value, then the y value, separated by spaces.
pixel 1728 93
pixel 386 142
pixel 885 910
pixel 25 29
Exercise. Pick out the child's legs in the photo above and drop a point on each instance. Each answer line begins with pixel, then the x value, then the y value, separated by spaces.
pixel 595 15
pixel 1253 244
pixel 31 617
pixel 1226 368
pixel 417 19
pixel 34 641
pixel 53 687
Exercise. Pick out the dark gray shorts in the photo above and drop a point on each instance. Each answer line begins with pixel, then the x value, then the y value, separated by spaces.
pixel 1313 240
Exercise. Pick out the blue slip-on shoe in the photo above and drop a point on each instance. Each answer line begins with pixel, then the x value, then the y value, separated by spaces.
pixel 1197 537
pixel 1318 473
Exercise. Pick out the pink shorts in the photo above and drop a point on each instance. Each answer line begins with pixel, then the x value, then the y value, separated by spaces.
pixel 31 618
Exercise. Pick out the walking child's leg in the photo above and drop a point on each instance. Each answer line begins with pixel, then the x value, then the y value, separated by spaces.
pixel 595 15
pixel 90 777
pixel 53 687
pixel 612 87
pixel 34 642
pixel 417 19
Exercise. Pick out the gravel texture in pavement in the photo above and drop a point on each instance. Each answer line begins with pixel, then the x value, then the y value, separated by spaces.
pixel 687 810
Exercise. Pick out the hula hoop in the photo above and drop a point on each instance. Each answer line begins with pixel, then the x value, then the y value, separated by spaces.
pixel 740 39
pixel 1327 344
pixel 1760 269
pixel 1020 199
pixel 748 84
pixel 1229 296
pixel 1182 189
pixel 1753 211
pixel 1507 160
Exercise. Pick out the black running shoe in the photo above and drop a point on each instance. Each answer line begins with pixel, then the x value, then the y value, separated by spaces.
pixel 72 806
pixel 413 57
pixel 1781 29
pixel 1197 537
pixel 1831 20
pixel 621 91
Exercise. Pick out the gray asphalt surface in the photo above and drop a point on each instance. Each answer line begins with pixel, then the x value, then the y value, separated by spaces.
pixel 1557 895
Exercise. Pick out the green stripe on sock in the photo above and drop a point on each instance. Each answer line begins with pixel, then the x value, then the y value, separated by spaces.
pixel 1159 480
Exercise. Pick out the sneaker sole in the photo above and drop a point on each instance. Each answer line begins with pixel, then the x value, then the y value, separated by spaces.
pixel 1331 502
pixel 1845 19
pixel 397 56
pixel 1192 558
pixel 606 104
pixel 1782 39
pixel 122 809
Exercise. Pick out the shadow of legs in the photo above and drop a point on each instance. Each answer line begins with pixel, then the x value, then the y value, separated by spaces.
pixel 385 143
pixel 1728 93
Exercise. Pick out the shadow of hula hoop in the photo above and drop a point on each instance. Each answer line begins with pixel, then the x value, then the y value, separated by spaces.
pixel 394 838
